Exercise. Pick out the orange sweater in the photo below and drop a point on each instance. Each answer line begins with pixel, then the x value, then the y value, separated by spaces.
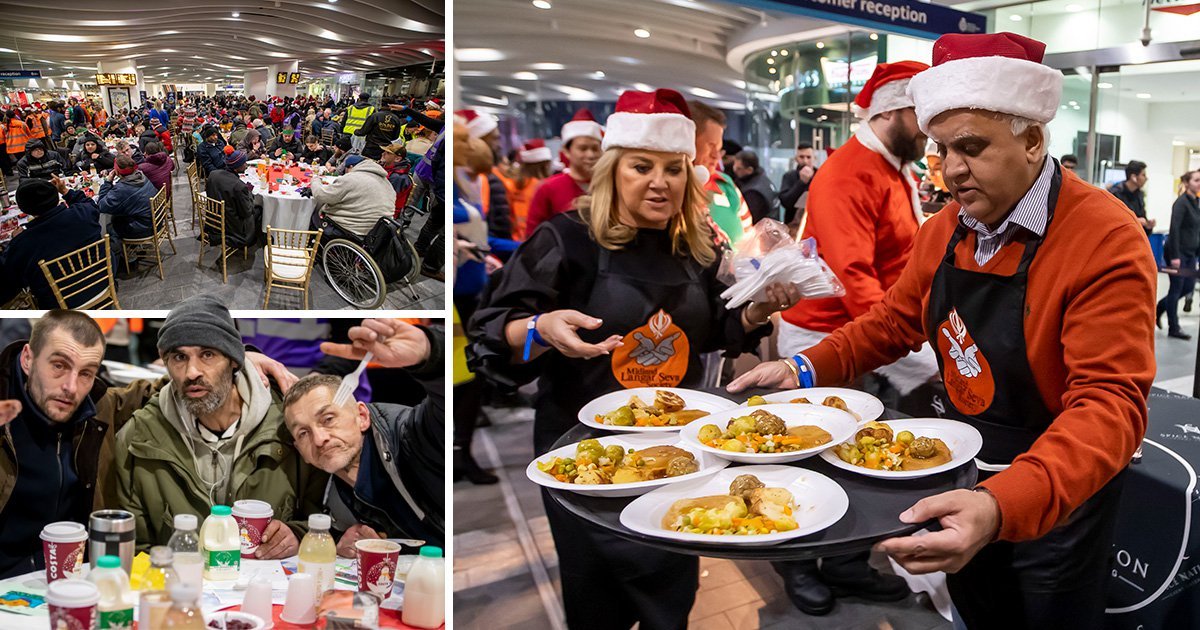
pixel 1089 334
pixel 861 212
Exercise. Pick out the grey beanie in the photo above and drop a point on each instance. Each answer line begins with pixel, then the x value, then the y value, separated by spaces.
pixel 202 321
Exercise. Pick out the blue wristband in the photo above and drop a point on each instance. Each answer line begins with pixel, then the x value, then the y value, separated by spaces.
pixel 532 337
pixel 803 372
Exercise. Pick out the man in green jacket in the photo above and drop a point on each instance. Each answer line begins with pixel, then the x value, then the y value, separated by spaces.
pixel 212 436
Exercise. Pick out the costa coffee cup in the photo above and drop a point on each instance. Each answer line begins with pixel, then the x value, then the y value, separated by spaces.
pixel 62 549
pixel 73 604
pixel 252 518
pixel 377 565
pixel 112 534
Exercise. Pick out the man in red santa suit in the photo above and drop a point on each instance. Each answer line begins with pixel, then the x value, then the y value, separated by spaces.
pixel 581 138
pixel 864 212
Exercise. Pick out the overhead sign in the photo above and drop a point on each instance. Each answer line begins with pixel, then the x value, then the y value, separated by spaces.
pixel 906 17
pixel 281 77
pixel 108 78
pixel 20 74
pixel 294 78
pixel 1182 7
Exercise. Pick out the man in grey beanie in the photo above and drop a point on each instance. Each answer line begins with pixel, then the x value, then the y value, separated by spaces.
pixel 212 436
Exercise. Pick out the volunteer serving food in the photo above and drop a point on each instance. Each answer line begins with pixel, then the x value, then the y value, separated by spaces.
pixel 1036 291
pixel 622 294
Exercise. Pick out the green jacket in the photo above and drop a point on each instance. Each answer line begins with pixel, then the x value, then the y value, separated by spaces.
pixel 156 476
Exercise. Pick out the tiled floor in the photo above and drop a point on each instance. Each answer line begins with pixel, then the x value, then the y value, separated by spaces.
pixel 245 288
pixel 506 570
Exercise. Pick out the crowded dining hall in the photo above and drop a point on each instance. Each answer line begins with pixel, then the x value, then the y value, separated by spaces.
pixel 143 163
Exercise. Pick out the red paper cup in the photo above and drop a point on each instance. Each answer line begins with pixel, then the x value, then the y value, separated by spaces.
pixel 72 604
pixel 377 566
pixel 63 543
pixel 252 518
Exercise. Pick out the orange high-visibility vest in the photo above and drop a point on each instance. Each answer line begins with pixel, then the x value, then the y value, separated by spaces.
pixel 17 136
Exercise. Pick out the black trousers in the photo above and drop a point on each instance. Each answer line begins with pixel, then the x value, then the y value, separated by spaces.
pixel 431 241
pixel 1057 581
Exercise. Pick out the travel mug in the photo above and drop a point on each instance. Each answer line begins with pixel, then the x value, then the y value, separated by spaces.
pixel 111 533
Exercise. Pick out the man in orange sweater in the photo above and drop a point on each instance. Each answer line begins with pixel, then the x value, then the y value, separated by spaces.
pixel 1037 291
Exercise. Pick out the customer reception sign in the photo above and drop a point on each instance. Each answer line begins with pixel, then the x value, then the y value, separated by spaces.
pixel 905 17
pixel 20 74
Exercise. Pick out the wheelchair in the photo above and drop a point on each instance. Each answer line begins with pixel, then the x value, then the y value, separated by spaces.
pixel 360 268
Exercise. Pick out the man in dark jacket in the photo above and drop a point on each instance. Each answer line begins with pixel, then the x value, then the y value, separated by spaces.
pixel 756 188
pixel 795 182
pixel 286 141
pixel 389 473
pixel 78 116
pixel 381 129
pixel 1131 193
pixel 126 196
pixel 39 163
pixel 58 121
pixel 210 154
pixel 145 135
pixel 241 216
pixel 55 229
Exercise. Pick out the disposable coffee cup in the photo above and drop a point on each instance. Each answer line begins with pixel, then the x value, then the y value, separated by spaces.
pixel 73 604
pixel 63 543
pixel 377 566
pixel 252 518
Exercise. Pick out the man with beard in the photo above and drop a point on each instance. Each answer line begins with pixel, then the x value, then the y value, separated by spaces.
pixel 213 435
pixel 581 145
pixel 864 212
pixel 386 461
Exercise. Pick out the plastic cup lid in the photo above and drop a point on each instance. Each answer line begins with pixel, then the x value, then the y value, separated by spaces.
pixel 186 521
pixel 319 521
pixel 221 510
pixel 72 593
pixel 429 551
pixel 109 562
pixel 64 531
pixel 251 508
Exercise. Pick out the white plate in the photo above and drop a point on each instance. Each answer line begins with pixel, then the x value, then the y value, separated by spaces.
pixel 840 425
pixel 708 465
pixel 865 405
pixel 963 440
pixel 692 400
pixel 820 502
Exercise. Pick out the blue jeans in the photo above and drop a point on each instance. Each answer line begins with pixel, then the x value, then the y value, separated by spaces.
pixel 1179 287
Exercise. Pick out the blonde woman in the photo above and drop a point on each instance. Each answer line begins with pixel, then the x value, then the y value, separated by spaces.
pixel 621 294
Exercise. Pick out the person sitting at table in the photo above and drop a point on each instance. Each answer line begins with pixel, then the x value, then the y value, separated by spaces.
pixel 387 461
pixel 355 201
pixel 163 136
pixel 342 149
pixel 55 228
pixel 130 150
pixel 264 130
pixel 116 127
pixel 314 152
pixel 126 195
pixel 242 218
pixel 285 141
pixel 77 143
pixel 239 131
pixel 95 155
pixel 158 165
pixel 212 435
pixel 252 145
pixel 39 163
pixel 397 169
pixel 210 154
pixel 143 135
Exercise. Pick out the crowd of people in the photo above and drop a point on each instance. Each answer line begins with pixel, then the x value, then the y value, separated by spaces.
pixel 376 151
pixel 559 275
pixel 226 423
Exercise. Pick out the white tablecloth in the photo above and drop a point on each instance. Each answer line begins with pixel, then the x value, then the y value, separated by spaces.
pixel 284 209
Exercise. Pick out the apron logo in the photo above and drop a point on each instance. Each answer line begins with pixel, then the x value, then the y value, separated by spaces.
pixel 965 370
pixel 652 355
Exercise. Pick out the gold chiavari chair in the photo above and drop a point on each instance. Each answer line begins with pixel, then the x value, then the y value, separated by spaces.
pixel 162 232
pixel 212 233
pixel 83 279
pixel 288 260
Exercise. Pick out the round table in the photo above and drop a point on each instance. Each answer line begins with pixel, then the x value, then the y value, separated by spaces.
pixel 875 505
pixel 284 208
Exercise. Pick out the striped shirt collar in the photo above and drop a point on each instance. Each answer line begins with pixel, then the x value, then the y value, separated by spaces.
pixel 1031 213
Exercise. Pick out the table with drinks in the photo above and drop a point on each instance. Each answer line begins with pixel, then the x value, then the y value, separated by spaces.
pixel 208 576
pixel 276 183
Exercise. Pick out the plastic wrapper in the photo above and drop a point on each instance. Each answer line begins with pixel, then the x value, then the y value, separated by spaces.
pixel 767 255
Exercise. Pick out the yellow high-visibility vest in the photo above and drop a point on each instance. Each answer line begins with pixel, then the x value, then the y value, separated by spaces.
pixel 356 117
pixel 462 374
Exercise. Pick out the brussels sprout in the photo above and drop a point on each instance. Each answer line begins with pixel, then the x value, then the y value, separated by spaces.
pixel 733 445
pixel 621 417
pixel 615 453
pixel 681 466
pixel 590 449
pixel 755 401
pixel 905 437
pixel 866 441
pixel 744 424
pixel 708 433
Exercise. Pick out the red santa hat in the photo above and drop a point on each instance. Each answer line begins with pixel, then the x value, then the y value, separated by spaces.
pixel 535 151
pixel 582 124
pixel 886 90
pixel 478 125
pixel 656 121
pixel 997 72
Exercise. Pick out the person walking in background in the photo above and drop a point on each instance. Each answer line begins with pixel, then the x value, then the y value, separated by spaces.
pixel 756 188
pixel 1131 192
pixel 16 134
pixel 581 146
pixel 1181 249
pixel 796 181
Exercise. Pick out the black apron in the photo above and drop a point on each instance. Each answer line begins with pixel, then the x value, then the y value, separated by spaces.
pixel 976 324
pixel 609 582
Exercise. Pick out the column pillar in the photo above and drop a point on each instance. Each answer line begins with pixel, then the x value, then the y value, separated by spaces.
pixel 281 89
